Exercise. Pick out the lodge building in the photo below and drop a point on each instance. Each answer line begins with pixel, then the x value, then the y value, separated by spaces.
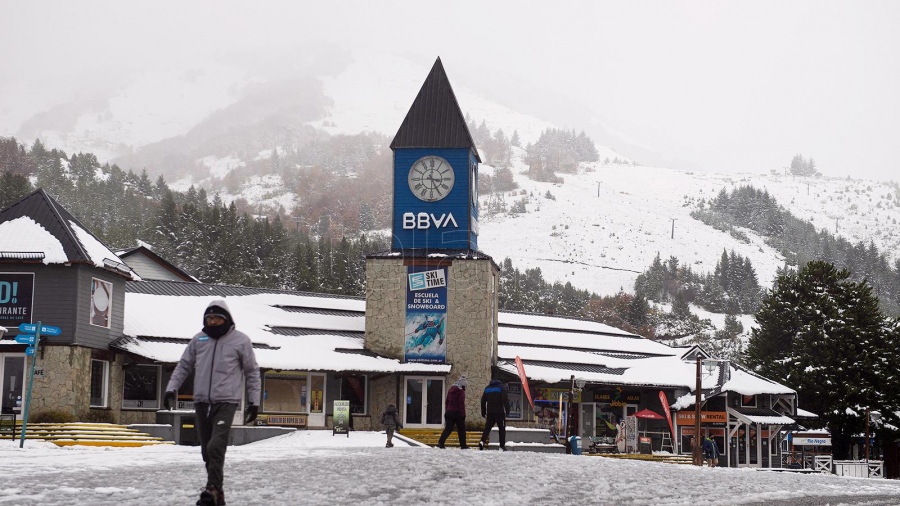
pixel 429 315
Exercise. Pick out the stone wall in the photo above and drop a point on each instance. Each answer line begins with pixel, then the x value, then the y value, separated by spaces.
pixel 471 328
pixel 66 383
pixel 66 386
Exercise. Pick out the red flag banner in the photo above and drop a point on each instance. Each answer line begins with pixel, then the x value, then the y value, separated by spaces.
pixel 524 379
pixel 665 405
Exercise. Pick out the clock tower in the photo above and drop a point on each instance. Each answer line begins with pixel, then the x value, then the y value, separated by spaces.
pixel 435 173
pixel 431 301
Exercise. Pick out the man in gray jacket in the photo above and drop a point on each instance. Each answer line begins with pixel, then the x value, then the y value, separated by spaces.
pixel 221 357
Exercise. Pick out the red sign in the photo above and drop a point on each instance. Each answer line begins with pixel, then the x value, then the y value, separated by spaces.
pixel 524 379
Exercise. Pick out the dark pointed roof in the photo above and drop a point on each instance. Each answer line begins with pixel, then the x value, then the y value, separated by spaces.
pixel 435 120
pixel 49 214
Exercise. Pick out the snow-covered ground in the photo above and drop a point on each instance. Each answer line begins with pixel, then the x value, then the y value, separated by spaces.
pixel 314 467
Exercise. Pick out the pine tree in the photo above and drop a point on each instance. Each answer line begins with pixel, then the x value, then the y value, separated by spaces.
pixel 824 336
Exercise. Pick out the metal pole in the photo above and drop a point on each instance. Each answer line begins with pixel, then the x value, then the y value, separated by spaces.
pixel 569 427
pixel 867 443
pixel 698 455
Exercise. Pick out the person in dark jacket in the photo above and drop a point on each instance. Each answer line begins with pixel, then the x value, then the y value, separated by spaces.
pixel 495 408
pixel 221 358
pixel 455 413
pixel 390 418
pixel 711 451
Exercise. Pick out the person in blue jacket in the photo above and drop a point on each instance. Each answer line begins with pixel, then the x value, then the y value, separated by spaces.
pixel 221 358
pixel 495 408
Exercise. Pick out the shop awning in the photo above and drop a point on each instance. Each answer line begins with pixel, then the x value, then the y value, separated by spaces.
pixel 762 416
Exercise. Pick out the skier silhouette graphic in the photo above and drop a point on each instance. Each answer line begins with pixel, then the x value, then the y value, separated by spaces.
pixel 427 331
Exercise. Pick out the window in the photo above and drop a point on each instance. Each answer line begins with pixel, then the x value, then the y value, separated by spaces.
pixel 515 401
pixel 748 401
pixel 141 387
pixel 101 302
pixel 353 389
pixel 284 392
pixel 99 383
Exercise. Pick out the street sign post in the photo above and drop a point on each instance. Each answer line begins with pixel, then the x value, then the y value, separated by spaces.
pixel 31 335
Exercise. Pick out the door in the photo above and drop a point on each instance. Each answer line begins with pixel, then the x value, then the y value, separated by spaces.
pixel 587 421
pixel 424 406
pixel 12 381
pixel 316 400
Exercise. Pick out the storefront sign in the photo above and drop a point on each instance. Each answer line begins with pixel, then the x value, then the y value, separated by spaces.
pixel 687 417
pixel 551 394
pixel 426 314
pixel 341 419
pixel 812 441
pixel 16 298
pixel 292 420
pixel 617 397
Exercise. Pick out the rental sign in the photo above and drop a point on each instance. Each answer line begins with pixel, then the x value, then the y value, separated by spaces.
pixel 687 417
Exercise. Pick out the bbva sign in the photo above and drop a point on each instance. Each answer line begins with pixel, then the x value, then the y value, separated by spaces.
pixel 424 221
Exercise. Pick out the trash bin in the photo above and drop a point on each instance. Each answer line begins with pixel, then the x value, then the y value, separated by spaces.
pixel 575 443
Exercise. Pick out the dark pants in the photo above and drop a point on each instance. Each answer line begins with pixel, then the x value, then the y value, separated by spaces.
pixel 500 420
pixel 214 426
pixel 454 419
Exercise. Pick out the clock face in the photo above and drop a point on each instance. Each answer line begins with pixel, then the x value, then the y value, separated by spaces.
pixel 431 178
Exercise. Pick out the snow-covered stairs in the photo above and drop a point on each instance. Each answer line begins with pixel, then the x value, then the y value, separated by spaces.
pixel 90 434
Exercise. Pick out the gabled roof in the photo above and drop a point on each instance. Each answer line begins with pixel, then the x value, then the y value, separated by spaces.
pixel 435 120
pixel 162 262
pixel 38 228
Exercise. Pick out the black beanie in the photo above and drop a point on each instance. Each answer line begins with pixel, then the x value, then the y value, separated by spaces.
pixel 218 308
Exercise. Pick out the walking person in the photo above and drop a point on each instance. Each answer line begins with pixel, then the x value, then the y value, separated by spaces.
pixel 221 358
pixel 390 418
pixel 495 408
pixel 455 413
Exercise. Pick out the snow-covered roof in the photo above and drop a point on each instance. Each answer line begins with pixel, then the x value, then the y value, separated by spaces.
pixel 289 332
pixel 303 331
pixel 37 227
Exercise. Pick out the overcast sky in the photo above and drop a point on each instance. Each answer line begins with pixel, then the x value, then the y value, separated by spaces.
pixel 722 86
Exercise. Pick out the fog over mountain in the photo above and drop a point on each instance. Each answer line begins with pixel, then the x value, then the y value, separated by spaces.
pixel 721 87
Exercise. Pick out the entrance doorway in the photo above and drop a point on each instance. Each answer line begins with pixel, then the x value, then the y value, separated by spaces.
pixel 587 420
pixel 316 400
pixel 424 407
pixel 12 381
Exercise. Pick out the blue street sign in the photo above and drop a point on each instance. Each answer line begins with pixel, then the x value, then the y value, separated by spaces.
pixel 29 351
pixel 25 338
pixel 48 330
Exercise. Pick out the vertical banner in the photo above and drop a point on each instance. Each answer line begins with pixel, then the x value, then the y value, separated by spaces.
pixel 426 314
pixel 341 418
pixel 524 379
pixel 16 298
pixel 665 404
